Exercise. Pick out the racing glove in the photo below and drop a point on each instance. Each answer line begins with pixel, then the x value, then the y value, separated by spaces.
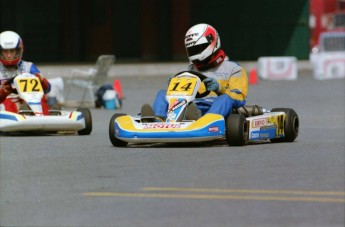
pixel 45 84
pixel 211 84
pixel 5 90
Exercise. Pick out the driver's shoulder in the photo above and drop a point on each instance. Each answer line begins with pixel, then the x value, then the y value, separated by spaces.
pixel 28 66
pixel 25 64
pixel 230 66
pixel 230 63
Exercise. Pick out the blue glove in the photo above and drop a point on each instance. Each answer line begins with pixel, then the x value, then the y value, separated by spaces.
pixel 211 84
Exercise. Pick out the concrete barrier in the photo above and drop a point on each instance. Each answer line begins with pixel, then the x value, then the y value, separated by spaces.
pixel 328 65
pixel 277 68
pixel 139 69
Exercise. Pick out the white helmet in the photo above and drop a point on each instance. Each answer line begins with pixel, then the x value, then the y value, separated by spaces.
pixel 201 41
pixel 11 40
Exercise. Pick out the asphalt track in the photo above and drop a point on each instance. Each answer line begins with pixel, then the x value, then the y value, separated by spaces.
pixel 70 180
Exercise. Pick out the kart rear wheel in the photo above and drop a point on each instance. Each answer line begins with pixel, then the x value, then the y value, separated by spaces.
pixel 113 139
pixel 88 121
pixel 291 125
pixel 236 130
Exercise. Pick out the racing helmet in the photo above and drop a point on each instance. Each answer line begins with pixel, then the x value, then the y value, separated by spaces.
pixel 201 41
pixel 11 40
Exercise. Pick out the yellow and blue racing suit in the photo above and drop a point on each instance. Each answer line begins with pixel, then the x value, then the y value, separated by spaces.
pixel 233 82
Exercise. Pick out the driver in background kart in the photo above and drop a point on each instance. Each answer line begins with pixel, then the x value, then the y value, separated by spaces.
pixel 226 79
pixel 11 64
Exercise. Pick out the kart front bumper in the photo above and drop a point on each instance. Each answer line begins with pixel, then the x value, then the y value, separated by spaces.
pixel 207 128
pixel 68 121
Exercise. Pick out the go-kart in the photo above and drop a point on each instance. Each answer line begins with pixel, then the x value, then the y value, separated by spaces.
pixel 28 92
pixel 245 124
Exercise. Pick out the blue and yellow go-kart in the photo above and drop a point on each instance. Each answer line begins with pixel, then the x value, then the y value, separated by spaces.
pixel 31 118
pixel 246 124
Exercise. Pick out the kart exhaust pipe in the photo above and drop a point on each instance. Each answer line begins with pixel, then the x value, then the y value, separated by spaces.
pixel 250 111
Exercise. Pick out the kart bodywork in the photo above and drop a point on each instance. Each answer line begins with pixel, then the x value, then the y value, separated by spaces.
pixel 248 123
pixel 32 119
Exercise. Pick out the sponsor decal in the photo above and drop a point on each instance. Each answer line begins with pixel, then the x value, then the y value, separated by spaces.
pixel 264 135
pixel 75 116
pixel 179 93
pixel 171 116
pixel 257 123
pixel 189 35
pixel 254 135
pixel 177 104
pixel 9 43
pixel 268 133
pixel 191 43
pixel 161 126
pixel 270 127
pixel 213 129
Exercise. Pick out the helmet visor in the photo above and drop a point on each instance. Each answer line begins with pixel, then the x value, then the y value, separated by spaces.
pixel 194 50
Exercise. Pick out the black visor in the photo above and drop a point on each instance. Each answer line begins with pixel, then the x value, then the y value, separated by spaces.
pixel 193 50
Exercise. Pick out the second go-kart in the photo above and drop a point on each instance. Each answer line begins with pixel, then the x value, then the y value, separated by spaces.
pixel 31 118
pixel 245 124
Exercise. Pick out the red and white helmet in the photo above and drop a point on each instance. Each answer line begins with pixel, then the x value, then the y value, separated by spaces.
pixel 201 41
pixel 11 40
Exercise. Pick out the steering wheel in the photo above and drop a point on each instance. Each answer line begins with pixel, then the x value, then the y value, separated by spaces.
pixel 201 77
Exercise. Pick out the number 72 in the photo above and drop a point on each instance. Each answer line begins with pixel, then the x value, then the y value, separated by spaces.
pixel 30 85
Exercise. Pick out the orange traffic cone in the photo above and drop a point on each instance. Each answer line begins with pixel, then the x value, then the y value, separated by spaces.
pixel 118 88
pixel 253 78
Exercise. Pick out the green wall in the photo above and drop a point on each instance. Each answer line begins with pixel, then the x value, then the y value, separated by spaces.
pixel 248 29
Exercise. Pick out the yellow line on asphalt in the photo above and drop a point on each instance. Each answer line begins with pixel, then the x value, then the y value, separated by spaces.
pixel 215 197
pixel 247 191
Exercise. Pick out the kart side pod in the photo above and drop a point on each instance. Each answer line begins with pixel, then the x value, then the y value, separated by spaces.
pixel 278 125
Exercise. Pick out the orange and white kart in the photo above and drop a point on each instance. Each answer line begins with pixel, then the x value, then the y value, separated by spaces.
pixel 30 118
pixel 246 124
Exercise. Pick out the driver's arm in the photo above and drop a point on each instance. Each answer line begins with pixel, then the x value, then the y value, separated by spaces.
pixel 5 90
pixel 45 84
pixel 237 85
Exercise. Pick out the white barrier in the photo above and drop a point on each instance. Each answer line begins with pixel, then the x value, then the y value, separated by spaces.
pixel 56 94
pixel 277 68
pixel 328 65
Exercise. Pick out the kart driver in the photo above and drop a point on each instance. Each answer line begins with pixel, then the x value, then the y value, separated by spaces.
pixel 11 64
pixel 226 79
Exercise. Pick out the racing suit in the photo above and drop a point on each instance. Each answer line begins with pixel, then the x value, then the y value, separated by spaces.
pixel 9 104
pixel 233 83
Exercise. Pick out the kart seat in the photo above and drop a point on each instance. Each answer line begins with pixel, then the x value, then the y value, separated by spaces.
pixel 249 111
pixel 24 109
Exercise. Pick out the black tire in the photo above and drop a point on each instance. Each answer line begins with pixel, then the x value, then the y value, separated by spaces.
pixel 113 139
pixel 291 125
pixel 236 130
pixel 88 121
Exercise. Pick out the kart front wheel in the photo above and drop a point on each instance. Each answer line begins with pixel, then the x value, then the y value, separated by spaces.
pixel 291 125
pixel 88 121
pixel 113 139
pixel 236 130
